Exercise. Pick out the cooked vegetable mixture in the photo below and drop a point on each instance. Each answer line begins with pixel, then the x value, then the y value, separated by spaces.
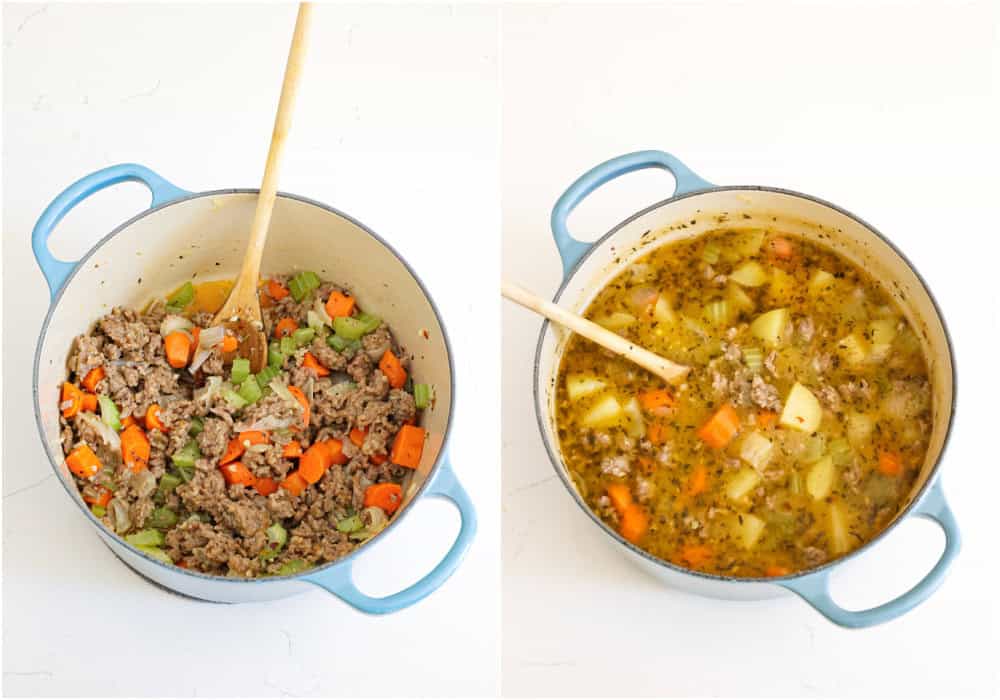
pixel 187 455
pixel 798 434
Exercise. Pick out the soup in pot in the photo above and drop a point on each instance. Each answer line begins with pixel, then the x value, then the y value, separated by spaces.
pixel 799 432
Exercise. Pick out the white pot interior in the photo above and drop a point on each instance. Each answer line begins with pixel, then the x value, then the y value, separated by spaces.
pixel 749 208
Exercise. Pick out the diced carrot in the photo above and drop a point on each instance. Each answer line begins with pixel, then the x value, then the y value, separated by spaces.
pixel 334 450
pixel 89 403
pixel 767 419
pixel 379 458
pixel 128 422
pixel 135 448
pixel 229 343
pixel 408 446
pixel 153 419
pixel 93 378
pixel 276 290
pixel 621 497
pixel 633 523
pixel 339 304
pixel 392 369
pixel 238 445
pixel 889 463
pixel 313 463
pixel 83 462
pixel 294 483
pixel 285 326
pixel 177 345
pixel 303 401
pixel 656 433
pixel 386 496
pixel 71 400
pixel 698 481
pixel 266 486
pixel 358 436
pixel 646 464
pixel 266 302
pixel 777 570
pixel 292 449
pixel 721 428
pixel 696 555
pixel 237 473
pixel 182 564
pixel 101 499
pixel 657 401
pixel 781 248
pixel 309 361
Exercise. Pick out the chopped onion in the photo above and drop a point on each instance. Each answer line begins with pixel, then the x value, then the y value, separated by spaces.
pixel 143 483
pixel 199 359
pixel 279 388
pixel 211 389
pixel 320 308
pixel 118 512
pixel 376 519
pixel 308 390
pixel 268 423
pixel 263 447
pixel 172 323
pixel 210 337
pixel 109 436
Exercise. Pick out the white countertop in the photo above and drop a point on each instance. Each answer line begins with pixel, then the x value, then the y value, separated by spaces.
pixel 880 109
pixel 396 124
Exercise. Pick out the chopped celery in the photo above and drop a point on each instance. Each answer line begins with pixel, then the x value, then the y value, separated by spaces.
pixel 718 313
pixel 197 426
pixel 187 455
pixel 276 534
pixel 162 518
pixel 749 274
pixel 97 510
pixel 711 253
pixel 815 446
pixel 839 541
pixel 303 336
pixel 302 284
pixel 840 452
pixel 181 298
pixel 795 483
pixel 168 482
pixel 292 567
pixel 241 369
pixel 275 358
pixel 265 376
pixel 351 523
pixel 336 342
pixel 147 538
pixel 156 553
pixel 187 473
pixel 314 321
pixel 753 358
pixel 250 390
pixel 287 345
pixel 349 328
pixel 423 394
pixel 234 400
pixel 371 322
pixel 109 413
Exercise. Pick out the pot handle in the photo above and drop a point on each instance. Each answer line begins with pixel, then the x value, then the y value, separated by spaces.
pixel 56 271
pixel 815 588
pixel 570 249
pixel 339 581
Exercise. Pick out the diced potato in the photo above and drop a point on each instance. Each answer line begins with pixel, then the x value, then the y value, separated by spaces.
pixel 748 243
pixel 821 282
pixel 751 529
pixel 881 333
pixel 662 311
pixel 854 349
pixel 769 326
pixel 756 450
pixel 802 410
pixel 859 429
pixel 580 385
pixel 739 299
pixel 839 538
pixel 783 286
pixel 603 414
pixel 742 483
pixel 819 480
pixel 749 274
pixel 636 427
pixel 616 321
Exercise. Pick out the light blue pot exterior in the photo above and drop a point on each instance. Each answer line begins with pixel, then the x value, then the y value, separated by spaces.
pixel 811 586
pixel 335 577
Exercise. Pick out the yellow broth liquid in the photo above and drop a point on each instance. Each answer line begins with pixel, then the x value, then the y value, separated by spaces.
pixel 679 301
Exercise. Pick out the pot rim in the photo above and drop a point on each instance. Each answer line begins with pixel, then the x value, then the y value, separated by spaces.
pixel 79 265
pixel 559 467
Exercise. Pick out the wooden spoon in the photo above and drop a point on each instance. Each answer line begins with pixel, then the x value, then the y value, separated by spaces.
pixel 670 372
pixel 241 312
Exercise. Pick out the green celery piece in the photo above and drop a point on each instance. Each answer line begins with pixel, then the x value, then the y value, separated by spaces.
pixel 265 376
pixel 109 413
pixel 241 369
pixel 303 336
pixel 168 482
pixel 276 534
pixel 187 473
pixel 162 518
pixel 292 567
pixel 422 395
pixel 349 328
pixel 156 553
pixel 97 510
pixel 187 455
pixel 196 427
pixel 250 391
pixel 275 358
pixel 181 298
pixel 336 342
pixel 235 401
pixel 146 538
pixel 351 523
pixel 288 346
pixel 370 322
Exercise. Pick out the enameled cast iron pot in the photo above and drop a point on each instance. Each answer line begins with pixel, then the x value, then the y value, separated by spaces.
pixel 696 207
pixel 202 235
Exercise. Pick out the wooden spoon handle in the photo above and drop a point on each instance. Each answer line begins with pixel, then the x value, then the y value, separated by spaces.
pixel 670 372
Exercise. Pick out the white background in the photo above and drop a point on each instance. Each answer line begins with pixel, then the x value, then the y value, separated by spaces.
pixel 881 107
pixel 397 123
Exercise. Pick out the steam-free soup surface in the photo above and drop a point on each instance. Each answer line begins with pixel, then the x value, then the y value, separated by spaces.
pixel 799 434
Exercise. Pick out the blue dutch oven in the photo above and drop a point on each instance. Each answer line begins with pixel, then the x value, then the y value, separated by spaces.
pixel 695 208
pixel 183 235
